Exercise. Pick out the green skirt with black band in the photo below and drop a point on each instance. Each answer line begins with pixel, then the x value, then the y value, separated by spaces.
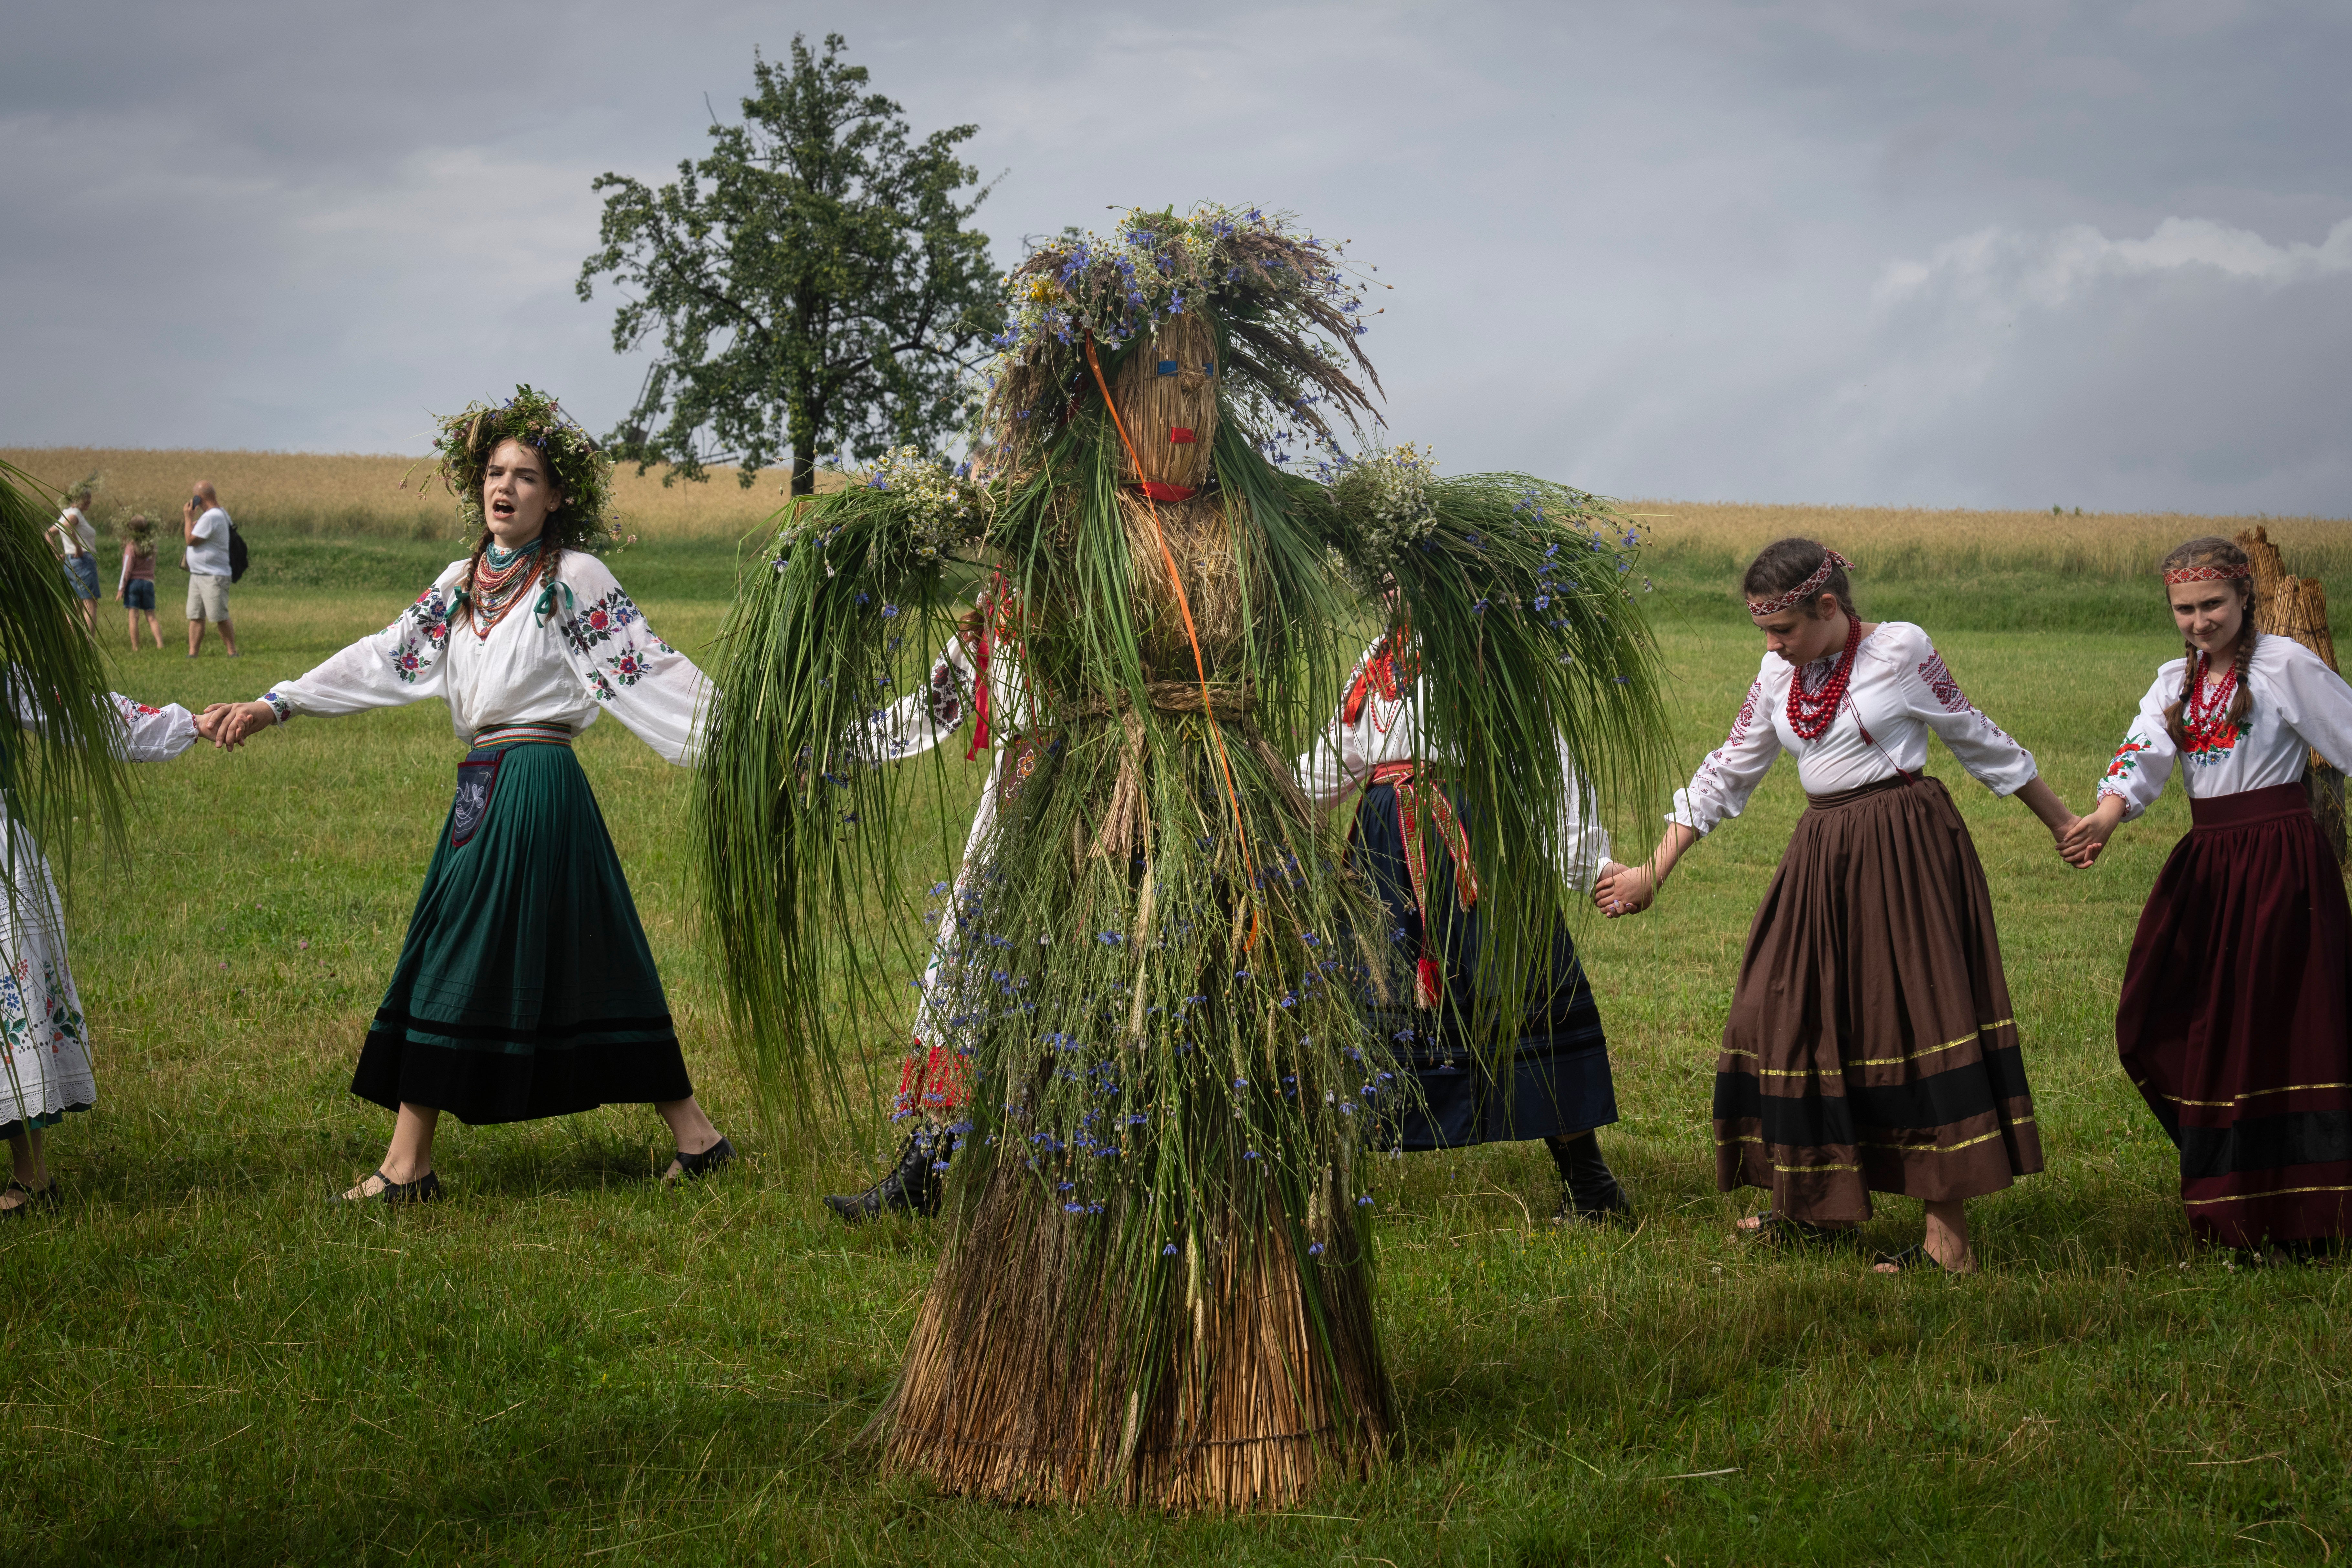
pixel 525 987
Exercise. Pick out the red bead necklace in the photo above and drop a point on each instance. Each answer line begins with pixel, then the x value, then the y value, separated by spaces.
pixel 1810 712
pixel 2208 715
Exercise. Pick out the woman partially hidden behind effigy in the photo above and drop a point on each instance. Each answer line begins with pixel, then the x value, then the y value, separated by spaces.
pixel 1871 1046
pixel 967 687
pixel 1157 1263
pixel 525 987
pixel 2235 1020
pixel 63 739
pixel 1406 835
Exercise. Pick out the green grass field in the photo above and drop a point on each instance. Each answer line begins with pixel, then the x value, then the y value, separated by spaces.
pixel 203 1361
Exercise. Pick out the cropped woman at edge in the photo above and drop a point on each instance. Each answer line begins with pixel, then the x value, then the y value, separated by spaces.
pixel 525 987
pixel 1871 1046
pixel 2235 1020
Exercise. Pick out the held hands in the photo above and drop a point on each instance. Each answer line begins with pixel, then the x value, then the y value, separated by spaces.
pixel 2082 840
pixel 1625 890
pixel 229 725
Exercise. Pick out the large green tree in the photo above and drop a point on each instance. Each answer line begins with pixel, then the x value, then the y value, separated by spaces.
pixel 812 281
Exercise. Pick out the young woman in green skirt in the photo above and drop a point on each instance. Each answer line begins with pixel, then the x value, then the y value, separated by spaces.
pixel 525 987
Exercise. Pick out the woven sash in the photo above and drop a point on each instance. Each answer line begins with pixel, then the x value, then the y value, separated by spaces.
pixel 508 734
pixel 1428 979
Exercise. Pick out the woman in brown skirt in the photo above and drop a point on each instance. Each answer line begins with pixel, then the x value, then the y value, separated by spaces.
pixel 1871 1047
pixel 2236 1015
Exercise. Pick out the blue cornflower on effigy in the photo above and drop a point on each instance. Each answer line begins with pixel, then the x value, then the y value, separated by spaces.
pixel 1109 938
pixel 1169 1250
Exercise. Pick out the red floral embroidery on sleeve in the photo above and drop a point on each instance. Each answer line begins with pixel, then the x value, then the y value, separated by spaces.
pixel 1940 682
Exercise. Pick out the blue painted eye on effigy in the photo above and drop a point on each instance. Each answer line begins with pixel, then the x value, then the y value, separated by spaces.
pixel 1168 367
pixel 1208 367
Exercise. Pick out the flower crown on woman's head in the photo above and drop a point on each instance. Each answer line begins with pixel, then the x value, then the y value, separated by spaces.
pixel 576 467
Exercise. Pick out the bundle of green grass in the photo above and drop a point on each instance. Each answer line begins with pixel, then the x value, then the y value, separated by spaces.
pixel 1157 1270
pixel 58 729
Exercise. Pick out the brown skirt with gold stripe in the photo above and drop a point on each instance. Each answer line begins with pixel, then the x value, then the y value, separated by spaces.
pixel 1871 1047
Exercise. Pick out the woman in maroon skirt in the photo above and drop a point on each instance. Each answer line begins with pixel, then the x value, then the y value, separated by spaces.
pixel 2236 1017
pixel 1871 1046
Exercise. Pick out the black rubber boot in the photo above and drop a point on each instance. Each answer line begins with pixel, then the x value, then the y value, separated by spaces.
pixel 1589 1190
pixel 912 1185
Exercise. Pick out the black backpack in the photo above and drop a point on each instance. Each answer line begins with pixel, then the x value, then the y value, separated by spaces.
pixel 236 555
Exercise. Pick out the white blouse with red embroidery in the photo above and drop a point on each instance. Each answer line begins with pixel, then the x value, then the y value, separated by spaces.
pixel 563 655
pixel 1899 691
pixel 1379 721
pixel 2299 705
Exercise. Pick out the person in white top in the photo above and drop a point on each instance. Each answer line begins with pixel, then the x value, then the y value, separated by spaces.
pixel 1871 1046
pixel 968 684
pixel 204 528
pixel 44 1038
pixel 77 542
pixel 1554 1084
pixel 526 988
pixel 2235 1019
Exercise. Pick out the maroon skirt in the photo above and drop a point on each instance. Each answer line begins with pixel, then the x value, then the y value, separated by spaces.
pixel 1871 1047
pixel 2236 1020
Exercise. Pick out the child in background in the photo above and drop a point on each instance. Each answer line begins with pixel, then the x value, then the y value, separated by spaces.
pixel 136 587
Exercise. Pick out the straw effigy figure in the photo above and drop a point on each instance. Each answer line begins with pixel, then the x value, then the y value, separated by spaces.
pixel 1157 1267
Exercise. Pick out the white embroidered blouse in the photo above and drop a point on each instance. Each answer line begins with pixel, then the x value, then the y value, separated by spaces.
pixel 923 720
pixel 1898 691
pixel 147 734
pixel 564 654
pixel 2299 705
pixel 1386 729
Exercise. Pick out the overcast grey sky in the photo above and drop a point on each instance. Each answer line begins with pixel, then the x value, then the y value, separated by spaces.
pixel 1947 254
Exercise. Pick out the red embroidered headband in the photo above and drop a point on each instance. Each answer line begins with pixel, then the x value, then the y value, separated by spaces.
pixel 1803 592
pixel 2205 573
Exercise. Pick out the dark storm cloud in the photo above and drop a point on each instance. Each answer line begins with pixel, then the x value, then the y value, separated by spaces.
pixel 1945 254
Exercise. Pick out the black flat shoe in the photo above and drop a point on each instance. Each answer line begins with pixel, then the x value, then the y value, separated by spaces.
pixel 35 1197
pixel 425 1189
pixel 694 1167
pixel 910 1188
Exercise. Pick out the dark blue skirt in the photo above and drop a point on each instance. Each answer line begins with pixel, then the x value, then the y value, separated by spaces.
pixel 1556 1079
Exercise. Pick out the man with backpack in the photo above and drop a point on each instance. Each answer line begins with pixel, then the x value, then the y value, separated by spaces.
pixel 208 533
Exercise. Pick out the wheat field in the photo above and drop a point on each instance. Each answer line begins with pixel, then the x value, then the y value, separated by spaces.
pixel 370 495
pixel 384 496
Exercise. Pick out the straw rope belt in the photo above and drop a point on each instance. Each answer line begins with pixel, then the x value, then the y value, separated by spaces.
pixel 1126 823
pixel 1230 700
